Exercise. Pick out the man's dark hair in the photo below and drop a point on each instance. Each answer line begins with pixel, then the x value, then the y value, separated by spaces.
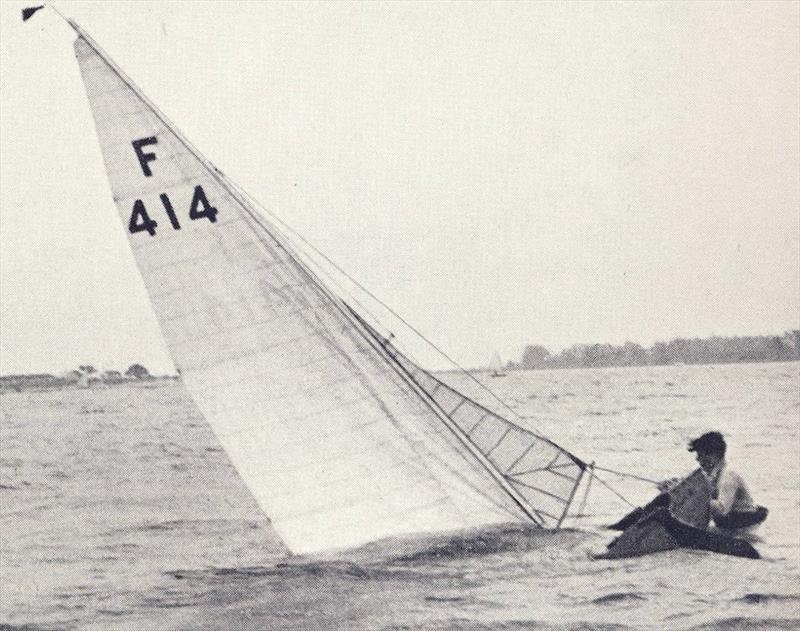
pixel 709 443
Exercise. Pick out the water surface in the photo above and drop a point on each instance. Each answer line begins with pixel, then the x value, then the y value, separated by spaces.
pixel 119 510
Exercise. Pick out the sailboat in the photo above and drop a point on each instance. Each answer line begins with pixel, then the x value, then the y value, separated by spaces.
pixel 341 438
pixel 496 365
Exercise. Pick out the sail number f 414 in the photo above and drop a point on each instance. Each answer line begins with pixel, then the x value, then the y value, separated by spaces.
pixel 141 221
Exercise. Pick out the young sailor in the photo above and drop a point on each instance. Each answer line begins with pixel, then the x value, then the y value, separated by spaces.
pixel 731 505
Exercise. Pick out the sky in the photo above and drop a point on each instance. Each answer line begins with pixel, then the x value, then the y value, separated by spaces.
pixel 499 174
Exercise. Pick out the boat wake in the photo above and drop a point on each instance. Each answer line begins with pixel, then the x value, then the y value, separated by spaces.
pixel 405 557
pixel 518 538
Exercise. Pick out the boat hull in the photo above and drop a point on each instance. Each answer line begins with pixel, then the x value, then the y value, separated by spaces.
pixel 660 531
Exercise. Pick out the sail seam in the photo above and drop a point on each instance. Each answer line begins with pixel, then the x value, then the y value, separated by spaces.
pixel 241 302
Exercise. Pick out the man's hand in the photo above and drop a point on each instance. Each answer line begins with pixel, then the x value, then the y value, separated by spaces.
pixel 665 486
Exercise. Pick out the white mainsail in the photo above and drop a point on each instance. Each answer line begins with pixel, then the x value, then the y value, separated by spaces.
pixel 496 364
pixel 336 438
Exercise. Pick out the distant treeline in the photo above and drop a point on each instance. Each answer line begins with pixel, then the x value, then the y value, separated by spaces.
pixel 85 376
pixel 712 350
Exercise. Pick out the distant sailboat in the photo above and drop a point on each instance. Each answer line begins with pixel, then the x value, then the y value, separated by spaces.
pixel 340 437
pixel 497 366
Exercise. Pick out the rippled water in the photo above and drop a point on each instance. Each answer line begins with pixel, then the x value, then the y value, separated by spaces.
pixel 119 510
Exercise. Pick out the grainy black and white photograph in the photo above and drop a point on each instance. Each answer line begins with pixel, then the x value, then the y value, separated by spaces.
pixel 399 316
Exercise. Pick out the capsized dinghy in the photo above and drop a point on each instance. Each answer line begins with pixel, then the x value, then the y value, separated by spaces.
pixel 677 519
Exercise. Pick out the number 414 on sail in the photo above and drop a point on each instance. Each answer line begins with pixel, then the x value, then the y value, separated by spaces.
pixel 140 221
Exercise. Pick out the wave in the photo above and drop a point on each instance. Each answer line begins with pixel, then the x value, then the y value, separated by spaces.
pixel 98 410
pixel 190 525
pixel 758 598
pixel 463 624
pixel 299 570
pixel 445 599
pixel 619 597
pixel 496 540
pixel 399 558
pixel 741 623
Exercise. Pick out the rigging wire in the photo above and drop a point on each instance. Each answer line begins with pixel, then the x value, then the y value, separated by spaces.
pixel 252 200
pixel 623 474
pixel 502 479
pixel 613 490
pixel 411 327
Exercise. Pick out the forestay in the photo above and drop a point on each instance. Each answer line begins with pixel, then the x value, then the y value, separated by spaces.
pixel 335 441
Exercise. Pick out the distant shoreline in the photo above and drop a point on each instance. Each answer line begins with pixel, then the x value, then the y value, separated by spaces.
pixel 714 350
pixel 47 383
pixel 678 365
pixel 679 351
pixel 57 384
